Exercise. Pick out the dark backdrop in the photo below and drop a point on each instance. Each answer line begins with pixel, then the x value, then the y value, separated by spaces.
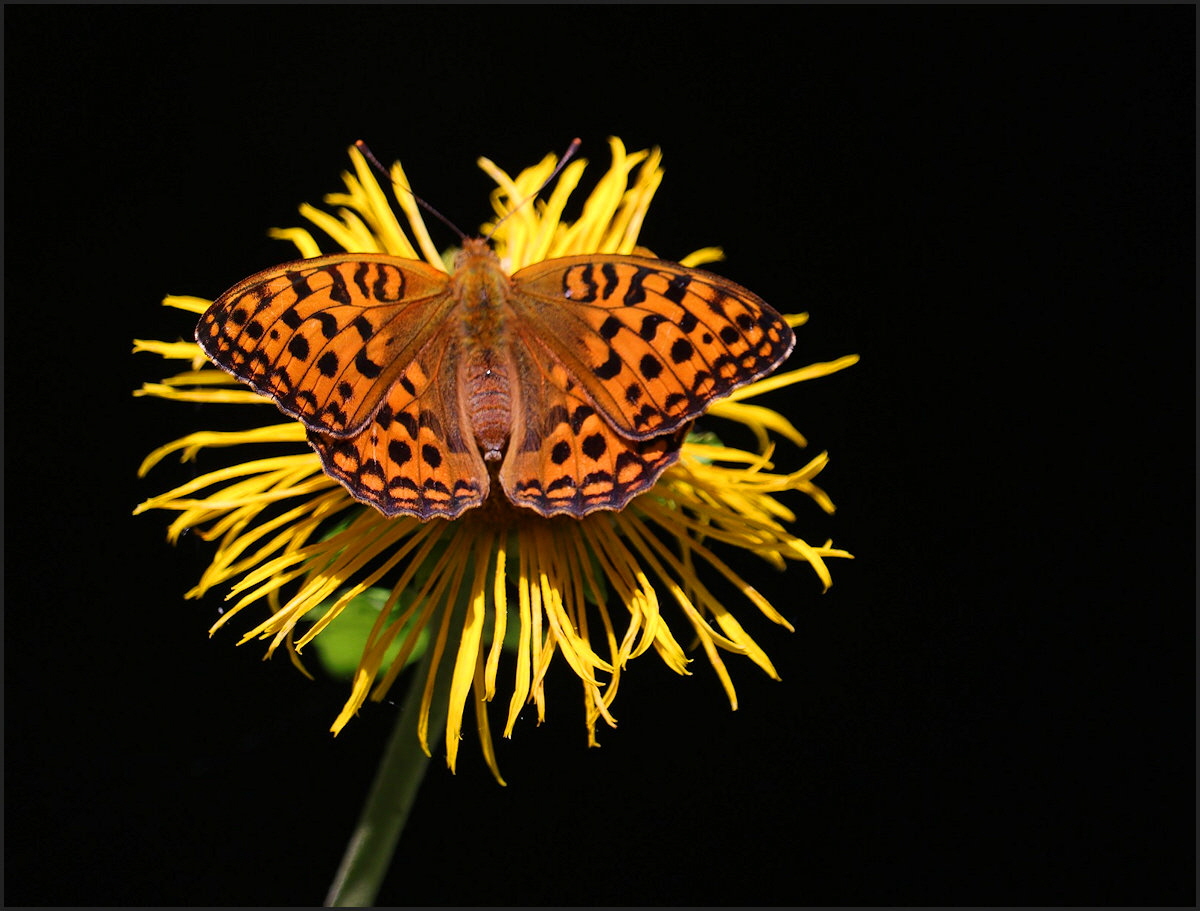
pixel 994 207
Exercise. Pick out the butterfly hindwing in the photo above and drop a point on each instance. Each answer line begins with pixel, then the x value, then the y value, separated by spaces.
pixel 416 456
pixel 564 457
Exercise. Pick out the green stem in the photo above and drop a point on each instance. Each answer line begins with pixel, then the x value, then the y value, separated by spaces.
pixel 369 853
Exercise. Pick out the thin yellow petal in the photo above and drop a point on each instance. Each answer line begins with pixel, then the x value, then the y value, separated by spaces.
pixel 703 256
pixel 467 658
pixel 176 351
pixel 305 245
pixel 780 380
pixel 187 302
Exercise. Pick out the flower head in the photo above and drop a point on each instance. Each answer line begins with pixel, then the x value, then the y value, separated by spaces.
pixel 497 581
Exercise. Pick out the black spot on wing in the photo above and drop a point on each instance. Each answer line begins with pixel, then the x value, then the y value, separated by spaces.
pixel 636 293
pixel 360 278
pixel 681 350
pixel 649 366
pixel 650 324
pixel 610 327
pixel 610 367
pixel 365 330
pixel 399 451
pixel 366 366
pixel 594 446
pixel 609 273
pixel 337 288
pixel 328 323
pixel 300 285
pixel 677 288
pixel 327 364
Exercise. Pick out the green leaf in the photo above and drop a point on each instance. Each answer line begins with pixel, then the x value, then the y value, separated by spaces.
pixel 339 646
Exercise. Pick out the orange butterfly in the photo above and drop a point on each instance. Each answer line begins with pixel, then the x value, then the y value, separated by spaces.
pixel 572 383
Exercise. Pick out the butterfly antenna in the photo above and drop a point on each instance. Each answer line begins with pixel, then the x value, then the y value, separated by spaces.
pixel 566 156
pixel 370 156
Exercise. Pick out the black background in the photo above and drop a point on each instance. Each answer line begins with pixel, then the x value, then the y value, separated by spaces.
pixel 994 207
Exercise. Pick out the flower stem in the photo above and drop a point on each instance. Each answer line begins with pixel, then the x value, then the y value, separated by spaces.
pixel 369 852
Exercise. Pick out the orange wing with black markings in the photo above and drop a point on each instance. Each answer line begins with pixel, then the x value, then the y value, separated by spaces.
pixel 394 367
pixel 653 342
pixel 326 338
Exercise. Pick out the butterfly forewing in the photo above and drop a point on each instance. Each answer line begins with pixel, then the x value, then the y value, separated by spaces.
pixel 654 343
pixel 326 338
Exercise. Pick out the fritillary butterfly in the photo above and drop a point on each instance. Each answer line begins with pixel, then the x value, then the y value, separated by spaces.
pixel 570 384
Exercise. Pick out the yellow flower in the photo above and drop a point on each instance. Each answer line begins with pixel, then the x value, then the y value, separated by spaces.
pixel 599 591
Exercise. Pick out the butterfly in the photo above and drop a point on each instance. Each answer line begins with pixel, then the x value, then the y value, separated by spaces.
pixel 570 384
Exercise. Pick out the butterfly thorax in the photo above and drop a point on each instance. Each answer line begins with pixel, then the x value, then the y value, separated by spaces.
pixel 486 371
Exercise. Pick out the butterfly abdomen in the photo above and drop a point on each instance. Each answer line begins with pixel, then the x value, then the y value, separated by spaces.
pixel 485 383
